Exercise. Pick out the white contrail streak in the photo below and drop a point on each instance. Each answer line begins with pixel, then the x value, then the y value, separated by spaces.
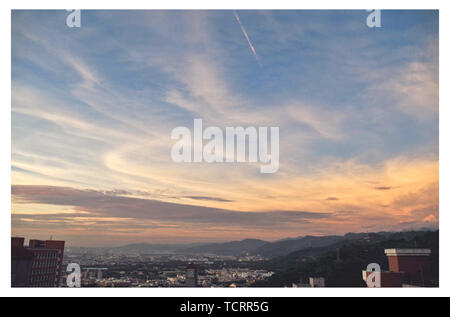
pixel 246 36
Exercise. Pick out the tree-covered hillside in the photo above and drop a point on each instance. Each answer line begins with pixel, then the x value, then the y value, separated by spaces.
pixel 341 264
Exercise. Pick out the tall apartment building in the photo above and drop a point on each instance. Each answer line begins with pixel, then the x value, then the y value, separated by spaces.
pixel 191 276
pixel 37 265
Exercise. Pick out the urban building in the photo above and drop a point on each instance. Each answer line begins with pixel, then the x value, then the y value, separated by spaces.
pixel 407 267
pixel 191 276
pixel 37 265
pixel 21 263
pixel 94 272
pixel 414 263
pixel 313 282
pixel 317 282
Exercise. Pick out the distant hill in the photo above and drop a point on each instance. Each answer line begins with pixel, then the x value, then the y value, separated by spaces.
pixel 274 249
pixel 307 245
pixel 285 247
pixel 228 248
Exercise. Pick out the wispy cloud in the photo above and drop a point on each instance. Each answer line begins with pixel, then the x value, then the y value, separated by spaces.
pixel 208 198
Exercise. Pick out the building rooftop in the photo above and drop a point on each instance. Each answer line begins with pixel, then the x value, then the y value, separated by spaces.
pixel 407 252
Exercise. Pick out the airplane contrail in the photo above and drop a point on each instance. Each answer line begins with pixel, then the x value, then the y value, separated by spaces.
pixel 246 36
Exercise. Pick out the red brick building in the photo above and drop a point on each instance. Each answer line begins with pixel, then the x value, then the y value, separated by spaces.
pixel 414 263
pixel 407 267
pixel 21 263
pixel 37 265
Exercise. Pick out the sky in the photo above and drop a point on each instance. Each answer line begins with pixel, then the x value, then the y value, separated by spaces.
pixel 93 109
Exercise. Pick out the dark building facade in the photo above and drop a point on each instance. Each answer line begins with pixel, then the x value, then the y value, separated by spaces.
pixel 21 263
pixel 191 276
pixel 37 265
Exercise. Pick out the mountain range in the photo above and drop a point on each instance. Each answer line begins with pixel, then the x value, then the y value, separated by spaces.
pixel 243 247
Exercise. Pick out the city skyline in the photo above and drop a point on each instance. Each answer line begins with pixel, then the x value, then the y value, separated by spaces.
pixel 93 109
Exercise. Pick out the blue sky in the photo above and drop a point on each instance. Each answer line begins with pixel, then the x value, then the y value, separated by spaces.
pixel 93 107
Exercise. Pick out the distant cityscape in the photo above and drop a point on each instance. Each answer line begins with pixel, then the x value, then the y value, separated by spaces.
pixel 119 270
pixel 407 259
